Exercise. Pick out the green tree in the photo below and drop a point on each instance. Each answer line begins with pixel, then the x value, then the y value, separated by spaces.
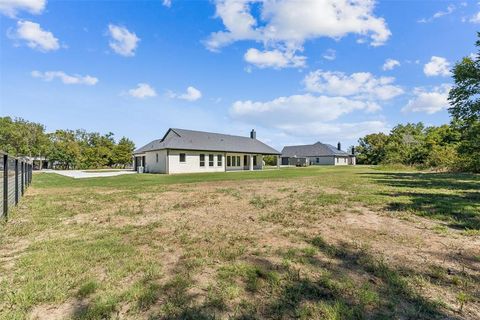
pixel 442 143
pixel 270 160
pixel 371 148
pixel 96 149
pixel 464 98
pixel 406 144
pixel 65 150
pixel 19 137
pixel 123 151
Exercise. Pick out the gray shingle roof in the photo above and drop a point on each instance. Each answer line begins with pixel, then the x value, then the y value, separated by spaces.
pixel 182 139
pixel 312 150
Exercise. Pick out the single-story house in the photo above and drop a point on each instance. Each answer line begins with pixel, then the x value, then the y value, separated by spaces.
pixel 316 154
pixel 183 151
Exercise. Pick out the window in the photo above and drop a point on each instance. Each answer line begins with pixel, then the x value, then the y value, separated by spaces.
pixel 157 156
pixel 182 157
pixel 229 163
pixel 210 160
pixel 245 159
pixel 202 160
pixel 254 161
pixel 317 160
pixel 238 161
pixel 219 160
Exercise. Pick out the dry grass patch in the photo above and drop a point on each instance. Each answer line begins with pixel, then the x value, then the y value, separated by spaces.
pixel 318 247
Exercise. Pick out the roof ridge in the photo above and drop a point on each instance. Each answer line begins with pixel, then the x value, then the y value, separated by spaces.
pixel 223 134
pixel 299 145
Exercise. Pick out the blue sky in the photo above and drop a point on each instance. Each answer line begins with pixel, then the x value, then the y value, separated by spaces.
pixel 296 71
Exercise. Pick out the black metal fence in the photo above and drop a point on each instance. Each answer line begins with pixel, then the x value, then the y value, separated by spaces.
pixel 15 177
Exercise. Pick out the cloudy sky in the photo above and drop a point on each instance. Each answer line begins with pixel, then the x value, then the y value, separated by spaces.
pixel 296 71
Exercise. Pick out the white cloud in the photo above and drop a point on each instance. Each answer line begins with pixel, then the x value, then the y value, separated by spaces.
pixel 337 130
pixel 427 101
pixel 274 59
pixel 361 85
pixel 65 78
pixel 390 64
pixel 122 40
pixel 330 54
pixel 437 66
pixel 475 18
pixel 333 95
pixel 285 25
pixel 167 3
pixel 142 91
pixel 192 94
pixel 450 9
pixel 297 110
pixel 35 36
pixel 12 7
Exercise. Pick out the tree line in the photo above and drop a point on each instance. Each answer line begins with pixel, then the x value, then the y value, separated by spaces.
pixel 68 149
pixel 454 146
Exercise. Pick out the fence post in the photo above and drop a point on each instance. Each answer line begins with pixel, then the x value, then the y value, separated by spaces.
pixel 5 186
pixel 23 176
pixel 16 182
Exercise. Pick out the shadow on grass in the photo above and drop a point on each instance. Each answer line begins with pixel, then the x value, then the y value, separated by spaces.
pixel 384 293
pixel 347 283
pixel 174 299
pixel 451 197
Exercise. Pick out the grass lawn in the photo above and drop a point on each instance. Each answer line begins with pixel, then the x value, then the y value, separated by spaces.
pixel 308 243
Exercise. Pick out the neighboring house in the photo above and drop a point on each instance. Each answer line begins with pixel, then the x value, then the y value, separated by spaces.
pixel 40 163
pixel 316 154
pixel 182 151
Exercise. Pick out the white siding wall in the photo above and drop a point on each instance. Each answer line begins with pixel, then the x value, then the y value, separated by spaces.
pixel 172 164
pixel 341 161
pixel 151 164
pixel 192 162
pixel 329 160
pixel 322 160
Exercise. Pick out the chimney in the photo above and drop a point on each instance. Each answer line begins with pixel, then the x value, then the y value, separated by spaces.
pixel 339 146
pixel 253 134
pixel 353 150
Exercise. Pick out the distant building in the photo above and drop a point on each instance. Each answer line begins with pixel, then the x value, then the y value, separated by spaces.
pixel 40 163
pixel 316 154
pixel 183 151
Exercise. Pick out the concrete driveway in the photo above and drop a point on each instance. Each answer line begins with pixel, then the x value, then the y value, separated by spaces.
pixel 80 174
